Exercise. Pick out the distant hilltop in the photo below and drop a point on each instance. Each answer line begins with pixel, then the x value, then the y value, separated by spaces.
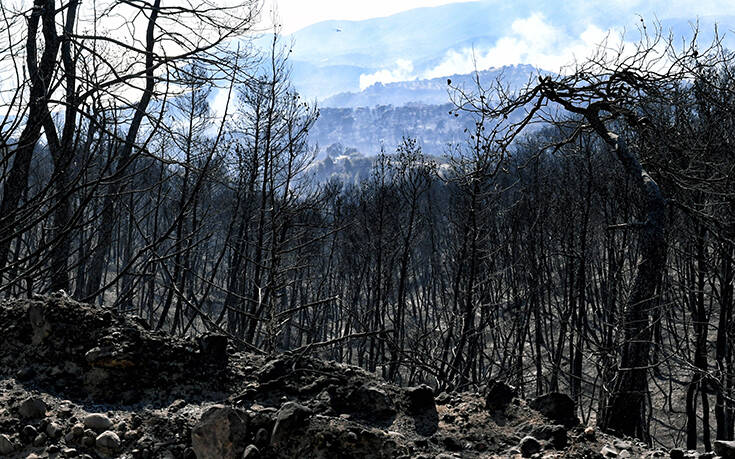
pixel 434 91
pixel 433 42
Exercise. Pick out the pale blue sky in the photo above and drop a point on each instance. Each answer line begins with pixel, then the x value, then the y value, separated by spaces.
pixel 296 14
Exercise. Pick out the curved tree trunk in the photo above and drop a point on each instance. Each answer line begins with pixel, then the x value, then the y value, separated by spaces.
pixel 626 410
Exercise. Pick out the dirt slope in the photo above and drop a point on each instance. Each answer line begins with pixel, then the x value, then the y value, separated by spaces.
pixel 80 381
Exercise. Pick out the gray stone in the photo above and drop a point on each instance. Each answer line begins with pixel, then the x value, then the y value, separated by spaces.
pixel 290 417
pixel 213 349
pixel 251 452
pixel 726 449
pixel 621 444
pixel 88 440
pixel 77 430
pixel 28 433
pixel 108 442
pixel 220 433
pixel 370 400
pixel 261 437
pixel 452 444
pixel 556 433
pixel 608 451
pixel 6 446
pixel 32 408
pixel 98 422
pixel 676 453
pixel 556 406
pixel 529 446
pixel 40 439
pixel 420 399
pixel 54 430
pixel 499 395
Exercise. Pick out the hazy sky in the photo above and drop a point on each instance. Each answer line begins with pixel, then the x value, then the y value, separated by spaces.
pixel 296 14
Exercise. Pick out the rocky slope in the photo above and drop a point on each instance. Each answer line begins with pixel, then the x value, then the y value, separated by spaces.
pixel 80 381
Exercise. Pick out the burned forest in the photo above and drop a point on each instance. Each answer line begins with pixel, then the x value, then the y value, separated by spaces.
pixel 186 272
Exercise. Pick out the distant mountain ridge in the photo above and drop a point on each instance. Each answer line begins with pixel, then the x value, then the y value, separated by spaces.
pixel 434 91
pixel 332 57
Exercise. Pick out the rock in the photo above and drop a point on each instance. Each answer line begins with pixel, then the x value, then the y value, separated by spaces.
pixel 557 407
pixel 40 439
pixel 251 452
pixel 556 433
pixel 289 418
pixel 177 405
pixel 452 444
pixel 499 395
pixel 624 454
pixel 589 433
pixel 220 433
pixel 6 446
pixel 108 442
pixel 77 430
pixel 725 449
pixel 97 422
pixel 371 400
pixel 621 444
pixel 420 399
pixel 69 452
pixel 28 433
pixel 89 438
pixel 261 438
pixel 54 430
pixel 443 398
pixel 26 374
pixel 214 349
pixel 32 408
pixel 529 446
pixel 607 451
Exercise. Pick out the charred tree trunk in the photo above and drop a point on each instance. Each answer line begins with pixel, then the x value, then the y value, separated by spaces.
pixel 626 411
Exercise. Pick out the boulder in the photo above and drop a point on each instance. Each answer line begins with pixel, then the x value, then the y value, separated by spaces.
pixel 556 406
pixel 529 446
pixel 97 422
pixel 725 449
pixel 608 452
pixel 368 400
pixel 499 395
pixel 220 433
pixel 32 408
pixel 251 452
pixel 557 434
pixel 214 349
pixel 290 417
pixel 420 399
pixel 6 446
pixel 54 430
pixel 107 442
pixel 676 453
pixel 28 433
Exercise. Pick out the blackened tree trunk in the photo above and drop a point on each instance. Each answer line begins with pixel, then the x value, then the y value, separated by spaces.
pixel 40 75
pixel 626 411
